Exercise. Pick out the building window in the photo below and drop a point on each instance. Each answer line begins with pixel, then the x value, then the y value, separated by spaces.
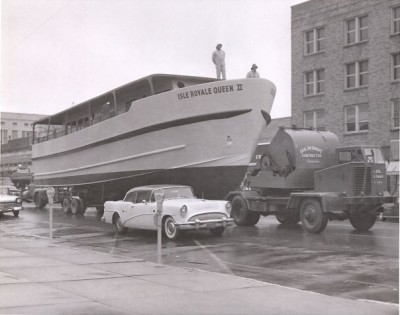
pixel 4 136
pixel 15 124
pixel 3 122
pixel 26 124
pixel 356 118
pixel 396 20
pixel 314 82
pixel 396 67
pixel 395 113
pixel 314 41
pixel 357 30
pixel 14 134
pixel 314 119
pixel 357 74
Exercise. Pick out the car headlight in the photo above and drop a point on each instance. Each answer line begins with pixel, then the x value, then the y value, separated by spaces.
pixel 18 200
pixel 183 211
pixel 228 207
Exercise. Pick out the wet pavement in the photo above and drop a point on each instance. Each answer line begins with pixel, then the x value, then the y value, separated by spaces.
pixel 339 262
pixel 39 277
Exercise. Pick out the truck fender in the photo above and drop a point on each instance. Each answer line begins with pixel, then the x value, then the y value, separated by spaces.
pixel 330 201
pixel 245 194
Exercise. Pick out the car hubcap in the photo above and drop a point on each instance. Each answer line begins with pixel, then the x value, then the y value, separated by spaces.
pixel 171 228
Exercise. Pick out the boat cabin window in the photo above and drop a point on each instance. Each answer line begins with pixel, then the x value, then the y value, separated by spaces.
pixel 106 106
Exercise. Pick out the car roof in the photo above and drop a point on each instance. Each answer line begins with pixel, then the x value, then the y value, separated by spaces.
pixel 152 187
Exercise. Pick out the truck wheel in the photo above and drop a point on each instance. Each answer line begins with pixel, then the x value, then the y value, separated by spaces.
pixel 252 218
pixel 312 217
pixel 217 231
pixel 66 205
pixel 362 221
pixel 170 230
pixel 75 206
pixel 240 212
pixel 40 202
pixel 119 226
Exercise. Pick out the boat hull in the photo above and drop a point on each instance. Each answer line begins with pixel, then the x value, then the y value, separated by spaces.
pixel 183 136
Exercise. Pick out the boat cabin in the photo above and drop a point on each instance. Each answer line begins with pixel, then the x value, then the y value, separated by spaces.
pixel 108 105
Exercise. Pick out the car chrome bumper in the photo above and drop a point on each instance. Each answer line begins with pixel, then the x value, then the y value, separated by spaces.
pixel 10 209
pixel 204 224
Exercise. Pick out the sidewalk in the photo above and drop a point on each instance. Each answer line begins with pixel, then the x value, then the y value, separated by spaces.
pixel 38 278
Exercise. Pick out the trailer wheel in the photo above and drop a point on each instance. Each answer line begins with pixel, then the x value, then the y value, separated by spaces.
pixel 100 210
pixel 362 221
pixel 312 217
pixel 240 212
pixel 66 205
pixel 40 202
pixel 75 206
pixel 83 206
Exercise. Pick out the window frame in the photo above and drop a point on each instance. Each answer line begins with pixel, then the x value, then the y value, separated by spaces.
pixel 357 121
pixel 392 117
pixel 315 83
pixel 394 67
pixel 315 124
pixel 357 30
pixel 395 21
pixel 357 75
pixel 314 42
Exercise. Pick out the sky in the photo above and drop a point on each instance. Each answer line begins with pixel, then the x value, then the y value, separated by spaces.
pixel 57 53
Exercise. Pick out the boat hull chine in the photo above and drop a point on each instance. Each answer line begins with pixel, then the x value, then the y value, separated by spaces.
pixel 207 182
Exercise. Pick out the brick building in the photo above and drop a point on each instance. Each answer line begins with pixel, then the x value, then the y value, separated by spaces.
pixel 346 70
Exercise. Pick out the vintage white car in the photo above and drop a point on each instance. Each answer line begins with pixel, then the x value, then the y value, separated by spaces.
pixel 181 210
pixel 10 201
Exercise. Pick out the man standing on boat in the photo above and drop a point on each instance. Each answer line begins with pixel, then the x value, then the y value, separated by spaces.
pixel 253 74
pixel 218 58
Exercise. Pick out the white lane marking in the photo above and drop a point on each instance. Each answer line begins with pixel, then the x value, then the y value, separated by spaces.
pixel 215 257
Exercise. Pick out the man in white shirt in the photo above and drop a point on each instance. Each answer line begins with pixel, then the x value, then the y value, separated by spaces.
pixel 253 74
pixel 218 58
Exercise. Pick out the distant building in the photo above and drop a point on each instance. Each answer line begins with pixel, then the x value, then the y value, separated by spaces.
pixel 346 70
pixel 17 125
pixel 16 136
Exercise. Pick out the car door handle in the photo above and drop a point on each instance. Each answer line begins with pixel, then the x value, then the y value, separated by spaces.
pixel 123 210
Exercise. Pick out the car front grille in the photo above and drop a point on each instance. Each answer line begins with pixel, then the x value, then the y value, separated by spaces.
pixel 207 216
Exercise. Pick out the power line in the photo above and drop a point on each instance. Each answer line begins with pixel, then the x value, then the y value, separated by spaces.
pixel 39 27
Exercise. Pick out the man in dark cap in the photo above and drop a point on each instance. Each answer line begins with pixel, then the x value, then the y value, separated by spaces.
pixel 218 58
pixel 253 74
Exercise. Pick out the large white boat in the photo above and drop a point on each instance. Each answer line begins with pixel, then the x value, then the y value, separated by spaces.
pixel 161 129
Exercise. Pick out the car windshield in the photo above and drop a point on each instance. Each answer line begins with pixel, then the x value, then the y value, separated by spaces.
pixel 178 192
